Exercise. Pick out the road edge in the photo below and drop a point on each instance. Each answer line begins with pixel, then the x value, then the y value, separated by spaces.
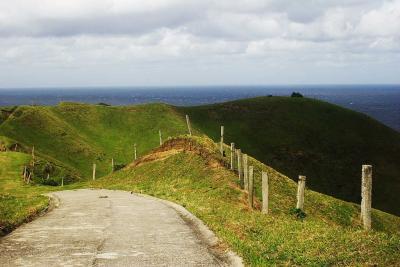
pixel 228 257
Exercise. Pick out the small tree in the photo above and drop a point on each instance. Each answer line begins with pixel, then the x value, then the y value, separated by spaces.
pixel 296 94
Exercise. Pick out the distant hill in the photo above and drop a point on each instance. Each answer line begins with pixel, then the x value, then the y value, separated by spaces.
pixel 325 142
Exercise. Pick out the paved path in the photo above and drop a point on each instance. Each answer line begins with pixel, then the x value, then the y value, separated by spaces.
pixel 88 229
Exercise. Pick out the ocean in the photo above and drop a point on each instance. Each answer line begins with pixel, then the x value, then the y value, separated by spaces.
pixel 381 102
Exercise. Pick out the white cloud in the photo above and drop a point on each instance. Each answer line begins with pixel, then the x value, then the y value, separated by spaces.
pixel 245 35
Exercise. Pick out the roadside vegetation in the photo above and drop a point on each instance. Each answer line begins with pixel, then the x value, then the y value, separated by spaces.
pixel 193 176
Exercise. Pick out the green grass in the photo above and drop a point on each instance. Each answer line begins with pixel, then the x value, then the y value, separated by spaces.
pixel 20 202
pixel 329 235
pixel 78 134
pixel 325 142
pixel 294 136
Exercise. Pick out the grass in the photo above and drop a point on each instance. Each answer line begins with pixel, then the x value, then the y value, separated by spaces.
pixel 78 134
pixel 19 202
pixel 329 235
pixel 294 136
pixel 325 142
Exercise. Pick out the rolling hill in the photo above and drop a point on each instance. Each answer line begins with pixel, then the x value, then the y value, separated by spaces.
pixel 325 142
pixel 296 136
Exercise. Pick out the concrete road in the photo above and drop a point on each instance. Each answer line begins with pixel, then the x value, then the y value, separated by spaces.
pixel 106 228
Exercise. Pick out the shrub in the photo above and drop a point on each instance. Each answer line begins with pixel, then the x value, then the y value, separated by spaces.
pixel 296 94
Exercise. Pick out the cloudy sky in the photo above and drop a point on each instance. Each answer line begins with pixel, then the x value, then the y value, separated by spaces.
pixel 198 42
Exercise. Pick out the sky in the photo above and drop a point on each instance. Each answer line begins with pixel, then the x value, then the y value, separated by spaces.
pixel 48 43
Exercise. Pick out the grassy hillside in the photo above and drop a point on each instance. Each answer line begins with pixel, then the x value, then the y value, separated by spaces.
pixel 189 171
pixel 18 202
pixel 325 142
pixel 78 134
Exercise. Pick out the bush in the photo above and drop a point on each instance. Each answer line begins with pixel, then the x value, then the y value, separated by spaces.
pixel 296 94
pixel 298 213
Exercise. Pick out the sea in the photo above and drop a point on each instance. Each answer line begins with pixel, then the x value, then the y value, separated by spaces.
pixel 381 102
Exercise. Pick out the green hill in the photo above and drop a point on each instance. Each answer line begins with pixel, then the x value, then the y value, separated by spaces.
pixel 296 136
pixel 190 171
pixel 325 142
pixel 78 134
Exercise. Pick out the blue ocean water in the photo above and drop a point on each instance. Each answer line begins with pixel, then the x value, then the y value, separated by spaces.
pixel 381 102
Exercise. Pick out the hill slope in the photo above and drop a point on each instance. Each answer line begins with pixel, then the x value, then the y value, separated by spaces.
pixel 325 142
pixel 78 134
pixel 189 171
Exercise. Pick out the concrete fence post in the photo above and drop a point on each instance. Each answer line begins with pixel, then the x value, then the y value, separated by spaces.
pixel 62 181
pixel 221 146
pixel 188 125
pixel 112 164
pixel 94 171
pixel 159 133
pixel 300 192
pixel 240 167
pixel 245 172
pixel 251 186
pixel 366 196
pixel 265 192
pixel 232 155
pixel 134 146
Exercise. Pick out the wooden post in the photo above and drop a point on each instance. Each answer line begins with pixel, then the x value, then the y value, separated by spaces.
pixel 112 164
pixel 94 171
pixel 48 176
pixel 188 125
pixel 62 181
pixel 265 189
pixel 366 196
pixel 245 172
pixel 135 151
pixel 25 173
pixel 300 192
pixel 239 167
pixel 221 146
pixel 16 146
pixel 29 178
pixel 232 155
pixel 159 133
pixel 251 186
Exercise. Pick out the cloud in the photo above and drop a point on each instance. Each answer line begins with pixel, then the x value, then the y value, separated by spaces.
pixel 246 35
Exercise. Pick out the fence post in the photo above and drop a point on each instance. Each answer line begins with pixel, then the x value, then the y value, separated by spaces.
pixel 62 181
pixel 245 172
pixel 265 192
pixel 221 148
pixel 232 155
pixel 240 167
pixel 188 125
pixel 94 171
pixel 135 151
pixel 251 186
pixel 25 173
pixel 366 196
pixel 300 192
pixel 159 133
pixel 112 164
